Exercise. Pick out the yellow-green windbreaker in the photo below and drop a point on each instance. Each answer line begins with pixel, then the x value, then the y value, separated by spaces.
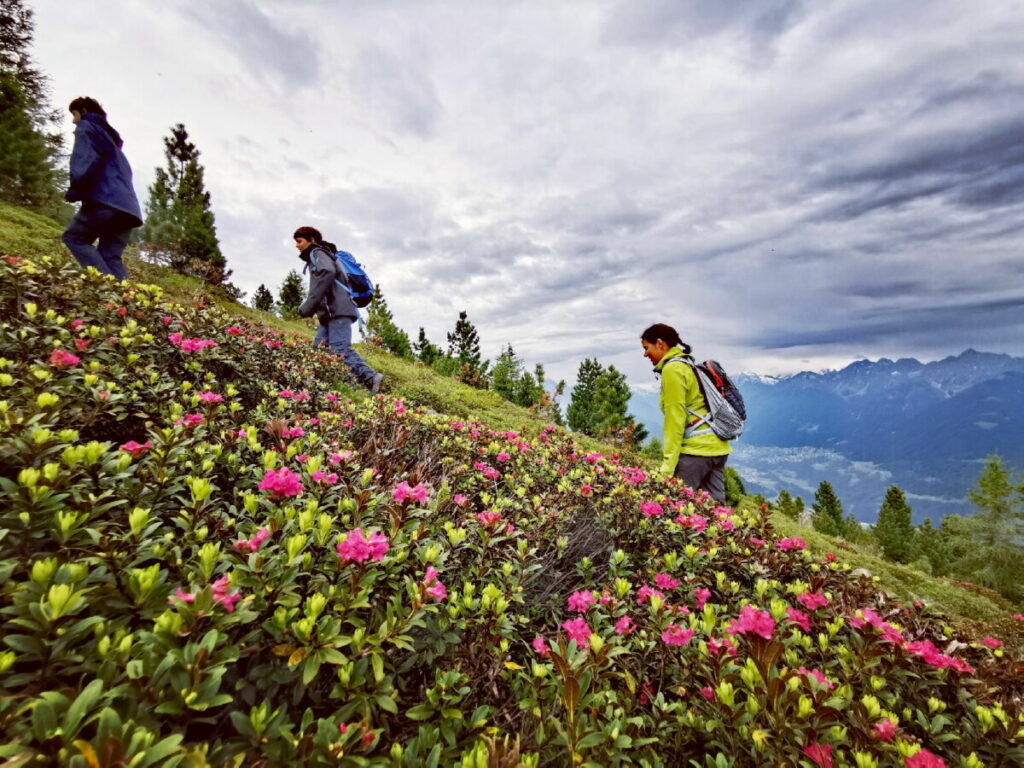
pixel 679 391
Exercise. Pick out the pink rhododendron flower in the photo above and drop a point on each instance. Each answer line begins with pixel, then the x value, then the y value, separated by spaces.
pixel 166 320
pixel 174 338
pixel 399 408
pixel 299 397
pixel 645 593
pixel 190 420
pixel 580 601
pixel 294 432
pixel 830 557
pixel 754 622
pixel 726 525
pixel 459 499
pixel 799 618
pixel 75 324
pixel 287 394
pixel 210 397
pixel 540 645
pixel 624 626
pixel 185 597
pixel 435 588
pixel 356 548
pixel 818 675
pixel 885 730
pixel 716 646
pixel 60 358
pixel 924 759
pixel 694 521
pixel 926 650
pixel 633 475
pixel 593 458
pixel 489 518
pixel 403 492
pixel 221 594
pixel 677 635
pixel 136 449
pixel 1018 617
pixel 578 630
pixel 821 754
pixel 82 344
pixel 703 594
pixel 757 542
pixel 708 693
pixel 991 642
pixel 234 330
pixel 253 544
pixel 812 600
pixel 457 426
pixel 503 457
pixel 651 509
pixel 664 581
pixel 585 490
pixel 281 483
pixel 194 345
pixel 605 598
pixel 792 543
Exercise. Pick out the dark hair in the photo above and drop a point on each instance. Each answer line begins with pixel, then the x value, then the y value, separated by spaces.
pixel 87 106
pixel 665 333
pixel 308 233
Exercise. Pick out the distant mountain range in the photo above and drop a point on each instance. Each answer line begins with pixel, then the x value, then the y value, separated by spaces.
pixel 923 426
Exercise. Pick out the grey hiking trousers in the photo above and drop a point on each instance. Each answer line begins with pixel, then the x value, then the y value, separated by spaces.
pixel 703 473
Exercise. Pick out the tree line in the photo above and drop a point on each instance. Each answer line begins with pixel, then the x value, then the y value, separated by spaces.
pixel 985 548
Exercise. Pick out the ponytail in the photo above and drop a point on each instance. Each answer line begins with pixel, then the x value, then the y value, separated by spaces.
pixel 666 333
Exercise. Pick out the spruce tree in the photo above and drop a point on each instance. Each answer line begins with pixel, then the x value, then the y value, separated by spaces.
pixel 179 229
pixel 290 295
pixel 263 299
pixel 381 330
pixel 828 511
pixel 997 530
pixel 611 401
pixel 735 490
pixel 894 530
pixel 580 414
pixel 464 352
pixel 506 373
pixel 30 139
pixel 785 504
pixel 426 352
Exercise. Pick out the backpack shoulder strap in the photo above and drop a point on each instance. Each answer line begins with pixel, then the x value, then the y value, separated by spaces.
pixel 693 428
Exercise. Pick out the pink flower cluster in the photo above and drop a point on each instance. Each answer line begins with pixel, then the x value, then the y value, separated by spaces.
pixel 645 593
pixel 924 759
pixel 181 594
pixel 866 616
pixel 221 594
pixel 674 634
pixel 490 517
pixel 799 618
pixel 540 645
pixel 324 478
pixel 624 626
pixel 253 544
pixel 435 588
pixel 752 621
pixel 281 483
pixel 664 581
pixel 792 543
pixel 716 646
pixel 593 458
pixel 651 509
pixel 632 475
pixel 189 345
pixel 60 358
pixel 136 449
pixel 210 397
pixel 578 630
pixel 812 600
pixel 580 601
pixel 818 675
pixel 702 596
pixel 403 492
pixel 926 650
pixel 694 521
pixel 357 549
pixel 190 420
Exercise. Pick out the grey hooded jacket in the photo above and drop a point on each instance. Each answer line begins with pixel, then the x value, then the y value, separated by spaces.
pixel 325 299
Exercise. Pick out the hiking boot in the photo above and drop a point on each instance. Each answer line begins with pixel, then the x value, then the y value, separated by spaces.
pixel 375 383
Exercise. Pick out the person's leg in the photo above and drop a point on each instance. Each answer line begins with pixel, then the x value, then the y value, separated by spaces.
pixel 79 238
pixel 321 337
pixel 714 481
pixel 112 243
pixel 340 340
pixel 692 470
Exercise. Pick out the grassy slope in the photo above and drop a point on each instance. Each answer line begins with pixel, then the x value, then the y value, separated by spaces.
pixel 23 233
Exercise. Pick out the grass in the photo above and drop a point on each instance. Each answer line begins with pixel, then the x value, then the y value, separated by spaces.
pixel 23 233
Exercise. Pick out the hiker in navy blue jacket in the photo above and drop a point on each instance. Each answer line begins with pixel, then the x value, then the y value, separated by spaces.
pixel 332 304
pixel 102 180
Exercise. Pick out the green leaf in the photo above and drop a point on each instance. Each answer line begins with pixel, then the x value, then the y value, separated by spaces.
pixel 82 704
pixel 420 712
pixel 378 667
pixel 387 704
pixel 309 669
pixel 591 740
pixel 160 750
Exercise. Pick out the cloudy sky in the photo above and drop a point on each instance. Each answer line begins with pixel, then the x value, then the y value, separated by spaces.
pixel 793 185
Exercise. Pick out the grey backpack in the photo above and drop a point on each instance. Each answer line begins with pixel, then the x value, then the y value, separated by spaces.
pixel 726 412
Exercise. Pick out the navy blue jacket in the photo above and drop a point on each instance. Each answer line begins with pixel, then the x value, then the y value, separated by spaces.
pixel 99 170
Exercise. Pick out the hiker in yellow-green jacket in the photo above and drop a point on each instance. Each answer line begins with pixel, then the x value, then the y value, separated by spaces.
pixel 699 459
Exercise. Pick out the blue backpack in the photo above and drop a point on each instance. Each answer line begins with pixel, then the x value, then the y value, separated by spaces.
pixel 359 287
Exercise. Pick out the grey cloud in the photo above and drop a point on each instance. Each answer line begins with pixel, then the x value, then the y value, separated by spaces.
pixel 259 41
pixel 885 290
pixel 400 87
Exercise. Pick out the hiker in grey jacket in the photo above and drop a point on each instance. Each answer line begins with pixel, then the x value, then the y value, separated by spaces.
pixel 332 304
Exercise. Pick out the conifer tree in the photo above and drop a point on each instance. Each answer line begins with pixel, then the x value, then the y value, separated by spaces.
pixel 179 229
pixel 828 511
pixel 799 507
pixel 786 505
pixel 653 449
pixel 290 295
pixel 464 351
pixel 611 401
pixel 894 530
pixel 426 352
pixel 997 531
pixel 735 490
pixel 506 373
pixel 381 330
pixel 580 414
pixel 263 299
pixel 30 139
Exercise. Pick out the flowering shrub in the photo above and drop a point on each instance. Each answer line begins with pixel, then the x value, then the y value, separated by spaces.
pixel 210 556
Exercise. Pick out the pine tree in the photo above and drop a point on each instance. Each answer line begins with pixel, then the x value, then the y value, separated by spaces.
pixel 828 511
pixel 464 350
pixel 580 414
pixel 263 299
pixel 611 400
pixel 735 490
pixel 30 139
pixel 179 228
pixel 290 295
pixel 784 503
pixel 381 330
pixel 997 530
pixel 653 449
pixel 426 352
pixel 506 373
pixel 894 530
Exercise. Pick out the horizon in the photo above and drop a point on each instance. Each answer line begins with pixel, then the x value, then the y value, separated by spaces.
pixel 793 186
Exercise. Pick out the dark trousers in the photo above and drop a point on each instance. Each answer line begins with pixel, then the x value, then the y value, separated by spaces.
pixel 336 335
pixel 703 473
pixel 111 227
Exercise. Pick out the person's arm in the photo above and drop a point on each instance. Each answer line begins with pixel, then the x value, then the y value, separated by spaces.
pixel 674 397
pixel 86 164
pixel 321 279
